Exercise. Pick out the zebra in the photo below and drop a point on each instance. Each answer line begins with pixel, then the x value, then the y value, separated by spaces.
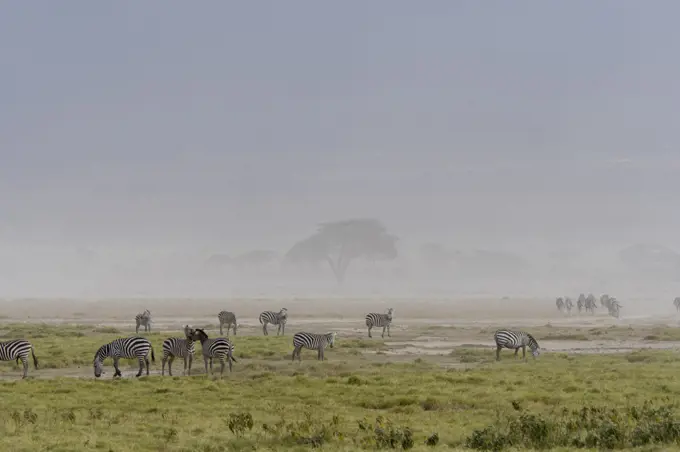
pixel 143 319
pixel 227 318
pixel 515 340
pixel 379 320
pixel 559 302
pixel 18 349
pixel 614 307
pixel 676 302
pixel 220 348
pixel 590 303
pixel 176 347
pixel 604 301
pixel 275 318
pixel 313 342
pixel 581 302
pixel 127 348
pixel 568 304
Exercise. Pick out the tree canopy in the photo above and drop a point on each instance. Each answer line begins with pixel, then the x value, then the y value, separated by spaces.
pixel 340 242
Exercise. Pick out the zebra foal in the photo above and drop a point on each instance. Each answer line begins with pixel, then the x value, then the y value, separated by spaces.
pixel 143 319
pixel 220 348
pixel 177 347
pixel 515 340
pixel 373 319
pixel 18 349
pixel 275 318
pixel 126 348
pixel 312 341
pixel 227 318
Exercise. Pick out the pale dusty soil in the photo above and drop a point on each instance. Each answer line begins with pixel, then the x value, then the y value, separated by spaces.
pixel 428 328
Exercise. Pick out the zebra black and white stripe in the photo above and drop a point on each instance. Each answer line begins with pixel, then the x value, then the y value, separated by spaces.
pixel 227 318
pixel 591 305
pixel 18 349
pixel 126 348
pixel 221 348
pixel 177 347
pixel 275 318
pixel 515 340
pixel 568 304
pixel 143 319
pixel 374 319
pixel 312 341
pixel 581 302
pixel 559 302
pixel 614 307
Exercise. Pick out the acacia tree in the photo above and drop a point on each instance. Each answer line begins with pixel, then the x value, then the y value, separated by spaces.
pixel 341 242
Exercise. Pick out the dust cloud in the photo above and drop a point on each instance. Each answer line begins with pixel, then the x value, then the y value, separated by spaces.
pixel 199 156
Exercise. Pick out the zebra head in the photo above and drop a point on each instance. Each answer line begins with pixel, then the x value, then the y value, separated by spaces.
pixel 389 312
pixel 533 345
pixel 283 313
pixel 189 332
pixel 98 362
pixel 200 335
pixel 331 339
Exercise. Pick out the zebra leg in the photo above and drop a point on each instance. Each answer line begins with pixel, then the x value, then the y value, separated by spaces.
pixel 211 370
pixel 516 350
pixel 294 352
pixel 283 329
pixel 141 367
pixel 24 361
pixel 165 358
pixel 172 358
pixel 383 333
pixel 221 328
pixel 388 330
pixel 205 361
pixel 222 366
pixel 146 362
pixel 137 328
pixel 369 331
pixel 264 329
pixel 524 352
pixel 117 373
pixel 498 353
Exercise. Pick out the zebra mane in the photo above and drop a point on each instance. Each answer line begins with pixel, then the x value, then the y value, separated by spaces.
pixel 533 339
pixel 202 334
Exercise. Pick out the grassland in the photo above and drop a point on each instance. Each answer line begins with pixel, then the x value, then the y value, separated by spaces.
pixel 359 399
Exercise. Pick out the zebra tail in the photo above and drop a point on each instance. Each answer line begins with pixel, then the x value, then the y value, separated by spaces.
pixel 35 360
pixel 231 356
pixel 153 357
pixel 260 320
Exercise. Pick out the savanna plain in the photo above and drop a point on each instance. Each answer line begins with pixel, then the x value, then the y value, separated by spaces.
pixel 599 383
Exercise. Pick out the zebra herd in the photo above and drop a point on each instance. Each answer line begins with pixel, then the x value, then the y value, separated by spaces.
pixel 220 348
pixel 589 304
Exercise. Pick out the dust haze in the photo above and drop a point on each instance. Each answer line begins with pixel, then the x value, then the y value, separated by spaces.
pixel 457 150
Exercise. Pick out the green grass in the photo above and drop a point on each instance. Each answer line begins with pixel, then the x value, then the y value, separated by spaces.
pixel 352 401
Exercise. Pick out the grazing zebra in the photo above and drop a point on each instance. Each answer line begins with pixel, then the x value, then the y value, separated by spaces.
pixel 313 342
pixel 379 320
pixel 227 318
pixel 275 318
pixel 581 302
pixel 614 307
pixel 127 348
pixel 143 319
pixel 676 302
pixel 515 340
pixel 568 304
pixel 177 347
pixel 559 302
pixel 590 303
pixel 18 349
pixel 219 348
pixel 604 301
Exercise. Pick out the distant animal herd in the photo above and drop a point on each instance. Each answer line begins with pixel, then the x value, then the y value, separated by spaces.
pixel 222 348
pixel 589 304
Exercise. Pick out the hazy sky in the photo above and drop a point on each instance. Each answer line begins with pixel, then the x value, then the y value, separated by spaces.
pixel 242 124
